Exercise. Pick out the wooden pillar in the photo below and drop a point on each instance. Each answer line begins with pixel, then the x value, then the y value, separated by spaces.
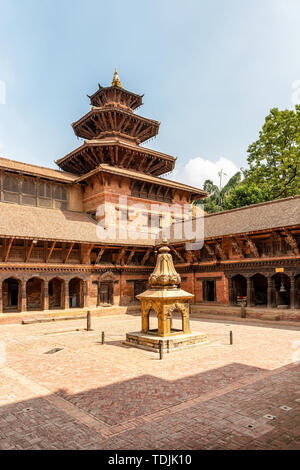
pixel 66 303
pixel 269 291
pixel 85 293
pixel 249 291
pixel 1 297
pixel 230 291
pixel 292 291
pixel 23 299
pixel 45 300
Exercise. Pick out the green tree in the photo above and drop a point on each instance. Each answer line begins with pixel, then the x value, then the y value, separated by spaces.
pixel 245 194
pixel 217 196
pixel 274 159
pixel 274 162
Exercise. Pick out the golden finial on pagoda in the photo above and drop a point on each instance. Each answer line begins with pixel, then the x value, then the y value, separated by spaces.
pixel 116 80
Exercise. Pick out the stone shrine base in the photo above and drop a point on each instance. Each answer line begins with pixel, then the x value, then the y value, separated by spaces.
pixel 171 343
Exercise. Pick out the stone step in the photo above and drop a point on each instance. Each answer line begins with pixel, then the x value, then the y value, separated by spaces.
pixel 30 321
pixel 271 316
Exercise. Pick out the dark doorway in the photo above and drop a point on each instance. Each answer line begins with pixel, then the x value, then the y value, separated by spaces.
pixel 34 294
pixel 76 293
pixel 55 291
pixel 10 293
pixel 139 287
pixel 259 289
pixel 239 285
pixel 105 293
pixel 281 284
pixel 209 291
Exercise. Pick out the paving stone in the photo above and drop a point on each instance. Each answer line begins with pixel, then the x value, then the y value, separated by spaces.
pixel 94 396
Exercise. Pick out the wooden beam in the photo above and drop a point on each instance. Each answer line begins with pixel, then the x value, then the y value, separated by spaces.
pixel 99 255
pixel 237 247
pixel 8 249
pixel 178 254
pixel 210 251
pixel 252 246
pixel 130 256
pixel 27 258
pixel 120 255
pixel 291 241
pixel 220 250
pixel 145 257
pixel 50 252
pixel 69 252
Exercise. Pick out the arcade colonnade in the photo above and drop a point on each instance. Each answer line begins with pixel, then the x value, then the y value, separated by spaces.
pixel 19 293
pixel 271 290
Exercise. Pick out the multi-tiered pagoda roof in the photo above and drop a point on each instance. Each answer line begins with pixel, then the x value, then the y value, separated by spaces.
pixel 113 134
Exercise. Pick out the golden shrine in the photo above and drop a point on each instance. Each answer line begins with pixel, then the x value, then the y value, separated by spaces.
pixel 166 300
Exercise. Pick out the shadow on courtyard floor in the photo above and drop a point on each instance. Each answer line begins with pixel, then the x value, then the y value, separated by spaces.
pixel 232 418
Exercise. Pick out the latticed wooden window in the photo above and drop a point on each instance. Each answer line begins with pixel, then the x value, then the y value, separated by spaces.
pixel 60 192
pixel 10 183
pixel 44 189
pixel 28 186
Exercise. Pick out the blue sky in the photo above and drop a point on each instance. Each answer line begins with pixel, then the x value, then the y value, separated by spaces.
pixel 210 71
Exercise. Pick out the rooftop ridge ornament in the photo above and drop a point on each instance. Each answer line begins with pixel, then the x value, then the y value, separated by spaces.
pixel 116 80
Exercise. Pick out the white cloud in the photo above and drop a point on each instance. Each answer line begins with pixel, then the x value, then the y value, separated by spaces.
pixel 197 170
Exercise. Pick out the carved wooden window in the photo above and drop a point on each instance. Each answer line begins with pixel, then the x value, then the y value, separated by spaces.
pixel 10 188
pixel 10 183
pixel 60 192
pixel 28 186
pixel 60 196
pixel 45 189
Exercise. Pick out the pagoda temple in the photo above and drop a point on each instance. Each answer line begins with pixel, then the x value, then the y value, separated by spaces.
pixel 52 258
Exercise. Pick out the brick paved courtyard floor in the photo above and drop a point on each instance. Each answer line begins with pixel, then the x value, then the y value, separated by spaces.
pixel 92 396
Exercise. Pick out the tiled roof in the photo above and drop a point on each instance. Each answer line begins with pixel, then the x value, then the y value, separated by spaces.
pixel 35 170
pixel 268 215
pixel 29 222
pixel 52 224
pixel 258 217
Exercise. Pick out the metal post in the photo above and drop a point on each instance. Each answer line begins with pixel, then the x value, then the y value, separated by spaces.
pixel 102 337
pixel 231 338
pixel 161 352
pixel 168 345
pixel 88 321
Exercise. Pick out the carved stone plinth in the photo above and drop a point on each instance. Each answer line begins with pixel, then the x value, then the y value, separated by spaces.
pixel 172 343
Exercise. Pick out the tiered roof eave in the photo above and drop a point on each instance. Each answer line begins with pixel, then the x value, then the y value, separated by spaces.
pixel 100 97
pixel 103 121
pixel 116 152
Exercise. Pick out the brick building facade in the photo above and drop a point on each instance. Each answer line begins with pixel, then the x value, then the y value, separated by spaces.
pixel 51 254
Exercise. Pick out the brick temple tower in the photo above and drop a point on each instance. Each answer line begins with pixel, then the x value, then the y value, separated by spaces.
pixel 111 162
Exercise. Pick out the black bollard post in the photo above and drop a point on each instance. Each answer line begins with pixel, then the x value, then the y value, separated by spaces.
pixel 168 345
pixel 161 352
pixel 231 338
pixel 88 321
pixel 102 337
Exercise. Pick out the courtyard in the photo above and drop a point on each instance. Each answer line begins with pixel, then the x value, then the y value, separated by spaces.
pixel 61 388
